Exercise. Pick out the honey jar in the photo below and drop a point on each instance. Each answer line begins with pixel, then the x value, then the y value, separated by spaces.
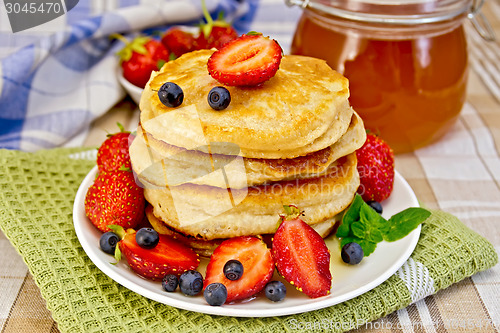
pixel 406 60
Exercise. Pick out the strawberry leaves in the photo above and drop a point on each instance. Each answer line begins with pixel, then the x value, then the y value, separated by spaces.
pixel 136 45
pixel 403 223
pixel 362 225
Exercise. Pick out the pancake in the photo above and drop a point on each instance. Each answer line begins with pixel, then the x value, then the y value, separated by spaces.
pixel 302 109
pixel 153 158
pixel 208 212
pixel 206 247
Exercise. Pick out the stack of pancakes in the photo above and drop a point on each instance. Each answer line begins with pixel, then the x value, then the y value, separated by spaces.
pixel 210 175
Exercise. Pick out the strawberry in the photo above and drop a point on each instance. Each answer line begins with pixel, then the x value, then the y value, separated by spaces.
pixel 219 36
pixel 214 33
pixel 167 257
pixel 178 41
pixel 114 199
pixel 113 154
pixel 301 255
pixel 140 57
pixel 258 266
pixel 375 168
pixel 246 61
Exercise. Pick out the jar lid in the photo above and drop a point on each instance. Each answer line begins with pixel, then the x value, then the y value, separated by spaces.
pixel 402 12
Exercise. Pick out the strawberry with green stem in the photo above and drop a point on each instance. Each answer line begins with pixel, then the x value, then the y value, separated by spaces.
pixel 113 153
pixel 140 57
pixel 214 33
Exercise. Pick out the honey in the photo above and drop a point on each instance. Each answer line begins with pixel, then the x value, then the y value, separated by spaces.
pixel 407 82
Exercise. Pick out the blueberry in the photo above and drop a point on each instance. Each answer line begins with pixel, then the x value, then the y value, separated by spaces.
pixel 169 282
pixel 233 270
pixel 352 253
pixel 219 98
pixel 275 291
pixel 191 283
pixel 147 238
pixel 170 94
pixel 215 294
pixel 375 205
pixel 108 242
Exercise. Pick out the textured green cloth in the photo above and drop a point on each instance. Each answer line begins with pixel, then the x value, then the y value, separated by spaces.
pixel 37 194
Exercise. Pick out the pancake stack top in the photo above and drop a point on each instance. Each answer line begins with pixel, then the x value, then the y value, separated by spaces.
pixel 212 175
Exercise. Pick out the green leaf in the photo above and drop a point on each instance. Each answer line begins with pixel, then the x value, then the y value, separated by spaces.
pixel 359 229
pixel 118 255
pixel 350 216
pixel 402 223
pixel 117 230
pixel 291 212
pixel 347 240
pixel 344 230
pixel 139 48
pixel 125 54
pixel 253 33
pixel 160 63
pixel 367 246
pixel 377 224
pixel 374 235
pixel 369 216
pixel 366 232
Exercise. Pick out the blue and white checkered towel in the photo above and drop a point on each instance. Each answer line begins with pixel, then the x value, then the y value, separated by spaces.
pixel 55 79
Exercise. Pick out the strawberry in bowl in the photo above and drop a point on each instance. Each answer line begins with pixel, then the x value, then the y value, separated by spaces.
pixel 138 59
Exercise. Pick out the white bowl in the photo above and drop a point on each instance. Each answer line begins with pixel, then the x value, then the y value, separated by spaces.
pixel 132 90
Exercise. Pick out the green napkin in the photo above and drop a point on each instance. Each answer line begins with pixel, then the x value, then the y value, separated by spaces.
pixel 37 191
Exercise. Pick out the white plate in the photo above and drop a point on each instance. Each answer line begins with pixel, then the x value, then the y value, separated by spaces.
pixel 348 281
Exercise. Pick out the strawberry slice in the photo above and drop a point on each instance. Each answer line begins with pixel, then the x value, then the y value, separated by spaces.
pixel 258 266
pixel 245 61
pixel 301 255
pixel 168 257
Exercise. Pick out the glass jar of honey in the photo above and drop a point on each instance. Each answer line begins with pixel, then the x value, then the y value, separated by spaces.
pixel 406 61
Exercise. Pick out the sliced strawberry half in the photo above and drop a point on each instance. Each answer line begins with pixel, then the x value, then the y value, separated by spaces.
pixel 258 266
pixel 168 257
pixel 301 256
pixel 246 61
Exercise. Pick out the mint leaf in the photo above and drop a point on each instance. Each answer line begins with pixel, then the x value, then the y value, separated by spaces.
pixel 367 232
pixel 350 216
pixel 343 230
pixel 374 235
pixel 369 216
pixel 358 229
pixel 347 240
pixel 363 225
pixel 367 246
pixel 402 223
